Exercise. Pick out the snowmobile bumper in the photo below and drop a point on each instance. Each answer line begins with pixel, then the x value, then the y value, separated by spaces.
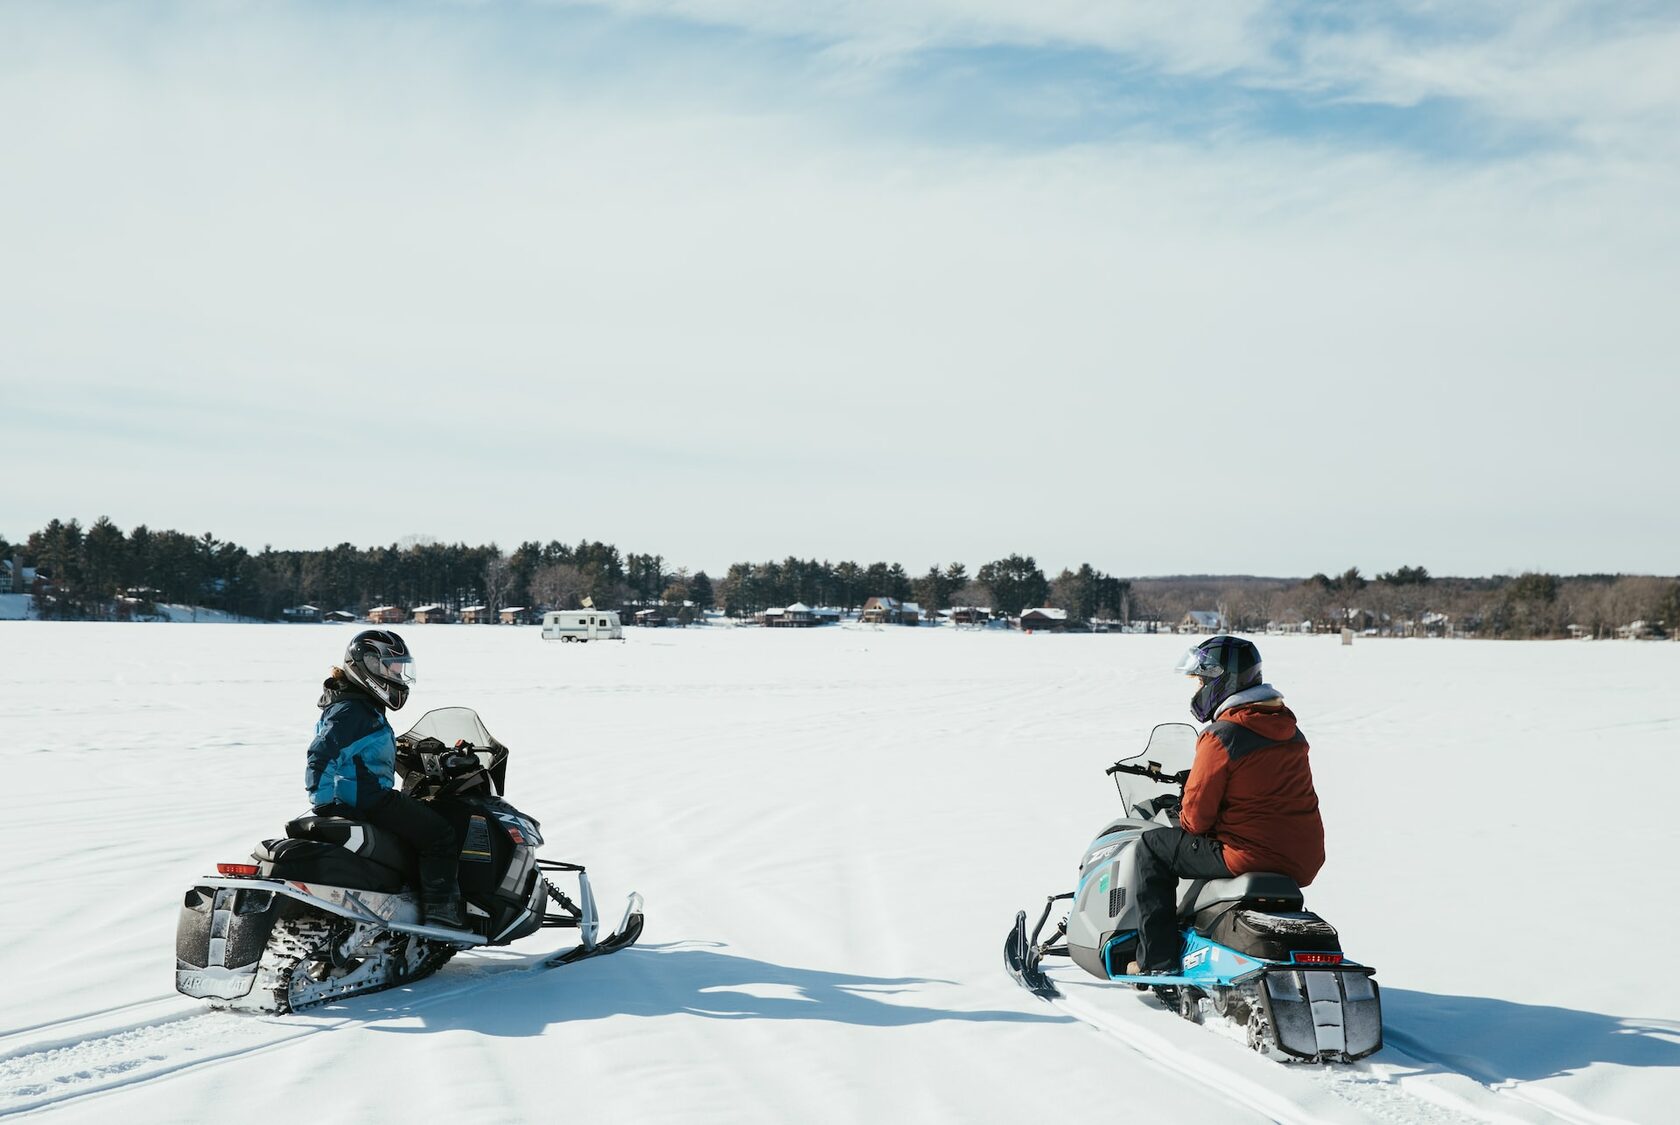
pixel 1322 1014
pixel 219 940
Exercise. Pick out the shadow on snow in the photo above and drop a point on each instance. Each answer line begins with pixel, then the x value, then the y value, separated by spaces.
pixel 1495 1041
pixel 685 978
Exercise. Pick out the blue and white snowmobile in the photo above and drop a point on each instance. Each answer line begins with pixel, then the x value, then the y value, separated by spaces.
pixel 1251 952
pixel 331 910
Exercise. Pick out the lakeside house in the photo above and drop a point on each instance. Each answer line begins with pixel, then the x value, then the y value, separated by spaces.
pixel 796 616
pixel 1044 619
pixel 301 614
pixel 1201 621
pixel 890 611
pixel 477 615
pixel 520 615
pixel 387 615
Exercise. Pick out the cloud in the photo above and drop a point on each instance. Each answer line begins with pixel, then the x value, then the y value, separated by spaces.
pixel 575 274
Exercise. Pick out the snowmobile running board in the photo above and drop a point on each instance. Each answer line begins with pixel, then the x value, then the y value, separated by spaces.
pixel 341 901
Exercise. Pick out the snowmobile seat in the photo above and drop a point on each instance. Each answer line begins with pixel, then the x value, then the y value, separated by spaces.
pixel 315 861
pixel 373 844
pixel 1266 890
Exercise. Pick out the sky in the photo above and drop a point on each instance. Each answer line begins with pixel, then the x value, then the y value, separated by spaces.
pixel 1227 287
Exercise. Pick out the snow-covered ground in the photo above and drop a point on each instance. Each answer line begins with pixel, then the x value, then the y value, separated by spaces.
pixel 833 830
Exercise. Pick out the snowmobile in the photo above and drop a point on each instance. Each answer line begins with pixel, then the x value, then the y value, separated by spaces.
pixel 332 910
pixel 1250 950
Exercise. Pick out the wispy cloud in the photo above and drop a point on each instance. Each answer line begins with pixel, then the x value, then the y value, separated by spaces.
pixel 652 271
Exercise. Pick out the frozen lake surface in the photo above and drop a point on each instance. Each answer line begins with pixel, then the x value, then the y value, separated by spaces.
pixel 833 830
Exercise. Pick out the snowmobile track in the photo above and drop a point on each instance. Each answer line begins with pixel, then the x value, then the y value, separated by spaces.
pixel 1403 1083
pixel 104 1051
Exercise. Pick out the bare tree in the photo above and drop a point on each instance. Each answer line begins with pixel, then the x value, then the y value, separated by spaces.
pixel 559 586
pixel 498 577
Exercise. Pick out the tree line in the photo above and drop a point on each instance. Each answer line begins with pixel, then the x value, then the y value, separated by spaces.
pixel 88 572
pixel 96 571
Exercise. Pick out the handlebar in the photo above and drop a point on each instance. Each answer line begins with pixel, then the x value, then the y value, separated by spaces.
pixel 1152 771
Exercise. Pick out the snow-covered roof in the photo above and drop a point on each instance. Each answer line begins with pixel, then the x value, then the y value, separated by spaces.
pixel 1051 612
pixel 382 609
pixel 472 609
pixel 426 608
pixel 514 609
pixel 911 607
pixel 775 611
pixel 799 607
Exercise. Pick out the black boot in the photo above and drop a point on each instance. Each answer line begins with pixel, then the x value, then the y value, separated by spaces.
pixel 446 911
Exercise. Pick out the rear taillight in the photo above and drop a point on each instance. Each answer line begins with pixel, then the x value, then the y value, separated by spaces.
pixel 236 868
pixel 1316 958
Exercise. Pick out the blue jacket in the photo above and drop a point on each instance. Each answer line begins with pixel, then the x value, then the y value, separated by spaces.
pixel 353 758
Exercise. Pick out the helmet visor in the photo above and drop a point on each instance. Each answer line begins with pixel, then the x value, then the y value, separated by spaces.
pixel 397 669
pixel 1199 663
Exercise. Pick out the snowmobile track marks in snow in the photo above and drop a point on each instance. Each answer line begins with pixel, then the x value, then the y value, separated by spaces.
pixel 1397 1085
pixel 69 1059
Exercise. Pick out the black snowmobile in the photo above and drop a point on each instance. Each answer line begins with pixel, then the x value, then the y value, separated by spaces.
pixel 332 910
pixel 1250 950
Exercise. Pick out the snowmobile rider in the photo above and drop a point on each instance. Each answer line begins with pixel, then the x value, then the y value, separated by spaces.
pixel 1249 804
pixel 352 765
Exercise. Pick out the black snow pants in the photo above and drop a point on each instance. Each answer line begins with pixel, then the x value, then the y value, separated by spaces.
pixel 426 832
pixel 1164 855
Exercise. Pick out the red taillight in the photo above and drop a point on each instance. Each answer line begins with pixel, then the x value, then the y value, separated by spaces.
pixel 236 868
pixel 1317 958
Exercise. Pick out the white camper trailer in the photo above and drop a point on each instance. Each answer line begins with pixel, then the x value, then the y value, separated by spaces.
pixel 582 625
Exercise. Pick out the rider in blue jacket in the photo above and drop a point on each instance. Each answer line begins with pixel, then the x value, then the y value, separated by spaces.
pixel 351 770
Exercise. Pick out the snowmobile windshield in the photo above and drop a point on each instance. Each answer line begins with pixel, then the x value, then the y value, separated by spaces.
pixel 453 725
pixel 1172 747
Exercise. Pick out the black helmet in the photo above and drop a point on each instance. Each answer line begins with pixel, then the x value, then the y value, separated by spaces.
pixel 1225 666
pixel 379 663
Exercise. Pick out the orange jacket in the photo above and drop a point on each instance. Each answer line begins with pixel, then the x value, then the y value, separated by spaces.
pixel 1252 790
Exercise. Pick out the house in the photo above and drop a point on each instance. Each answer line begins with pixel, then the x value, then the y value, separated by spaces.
pixel 890 611
pixel 387 615
pixel 1044 619
pixel 1201 621
pixel 1640 631
pixel 796 616
pixel 650 618
pixel 431 615
pixel 22 583
pixel 520 615
pixel 879 611
pixel 970 614
pixel 477 615
pixel 338 616
pixel 300 614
